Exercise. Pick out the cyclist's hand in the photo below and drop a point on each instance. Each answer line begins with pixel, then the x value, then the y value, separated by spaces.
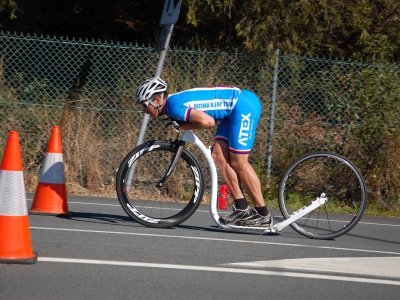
pixel 176 125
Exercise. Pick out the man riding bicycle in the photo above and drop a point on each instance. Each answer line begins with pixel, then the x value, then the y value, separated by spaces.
pixel 238 111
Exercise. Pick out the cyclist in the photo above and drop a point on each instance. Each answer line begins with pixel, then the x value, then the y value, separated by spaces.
pixel 239 111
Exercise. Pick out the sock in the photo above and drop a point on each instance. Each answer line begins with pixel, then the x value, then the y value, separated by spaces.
pixel 241 203
pixel 263 210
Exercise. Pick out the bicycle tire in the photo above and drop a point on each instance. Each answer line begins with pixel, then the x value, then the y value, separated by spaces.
pixel 138 190
pixel 323 172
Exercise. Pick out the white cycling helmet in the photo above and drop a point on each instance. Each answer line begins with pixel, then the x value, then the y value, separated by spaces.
pixel 150 87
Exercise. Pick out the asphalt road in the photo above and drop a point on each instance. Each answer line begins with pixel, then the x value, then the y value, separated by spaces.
pixel 100 253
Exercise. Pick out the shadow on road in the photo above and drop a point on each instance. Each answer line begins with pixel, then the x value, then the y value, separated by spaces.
pixel 371 238
pixel 215 228
pixel 100 218
pixel 122 220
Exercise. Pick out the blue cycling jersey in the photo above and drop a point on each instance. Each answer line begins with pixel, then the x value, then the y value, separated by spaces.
pixel 218 102
pixel 238 110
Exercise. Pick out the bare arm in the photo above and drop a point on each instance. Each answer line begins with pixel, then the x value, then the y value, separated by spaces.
pixel 198 120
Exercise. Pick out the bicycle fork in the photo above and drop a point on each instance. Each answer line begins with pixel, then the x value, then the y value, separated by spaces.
pixel 174 161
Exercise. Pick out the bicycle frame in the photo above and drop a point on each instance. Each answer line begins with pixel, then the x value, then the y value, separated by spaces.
pixel 190 137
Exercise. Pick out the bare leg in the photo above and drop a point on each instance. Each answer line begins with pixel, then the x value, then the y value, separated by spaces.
pixel 221 156
pixel 248 177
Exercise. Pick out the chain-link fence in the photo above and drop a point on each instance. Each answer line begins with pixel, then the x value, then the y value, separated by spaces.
pixel 87 88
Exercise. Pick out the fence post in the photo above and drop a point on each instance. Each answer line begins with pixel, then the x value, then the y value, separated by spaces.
pixel 272 117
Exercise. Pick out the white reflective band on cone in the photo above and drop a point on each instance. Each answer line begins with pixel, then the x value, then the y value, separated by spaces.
pixel 53 169
pixel 12 194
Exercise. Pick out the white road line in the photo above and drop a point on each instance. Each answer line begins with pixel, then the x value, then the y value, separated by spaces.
pixel 208 211
pixel 379 224
pixel 218 269
pixel 360 266
pixel 214 239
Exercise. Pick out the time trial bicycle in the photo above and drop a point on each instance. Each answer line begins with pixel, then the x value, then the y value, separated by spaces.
pixel 312 191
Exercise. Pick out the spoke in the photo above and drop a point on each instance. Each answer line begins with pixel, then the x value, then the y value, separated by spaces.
pixel 327 217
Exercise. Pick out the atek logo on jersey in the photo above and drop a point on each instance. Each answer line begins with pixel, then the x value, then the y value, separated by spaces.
pixel 244 129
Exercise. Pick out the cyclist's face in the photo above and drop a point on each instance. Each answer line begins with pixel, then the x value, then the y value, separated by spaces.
pixel 151 107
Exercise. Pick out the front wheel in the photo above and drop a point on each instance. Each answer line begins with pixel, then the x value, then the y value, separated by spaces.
pixel 313 175
pixel 151 196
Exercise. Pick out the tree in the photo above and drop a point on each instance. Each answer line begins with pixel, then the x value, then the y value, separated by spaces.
pixel 121 20
pixel 7 9
pixel 363 29
pixel 360 28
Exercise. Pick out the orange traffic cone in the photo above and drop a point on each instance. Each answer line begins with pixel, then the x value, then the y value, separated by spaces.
pixel 15 238
pixel 51 195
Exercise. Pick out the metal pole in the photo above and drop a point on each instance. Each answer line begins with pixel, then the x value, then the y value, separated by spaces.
pixel 146 117
pixel 163 54
pixel 169 17
pixel 272 117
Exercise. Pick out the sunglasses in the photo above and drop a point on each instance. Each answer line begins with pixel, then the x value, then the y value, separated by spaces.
pixel 146 103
